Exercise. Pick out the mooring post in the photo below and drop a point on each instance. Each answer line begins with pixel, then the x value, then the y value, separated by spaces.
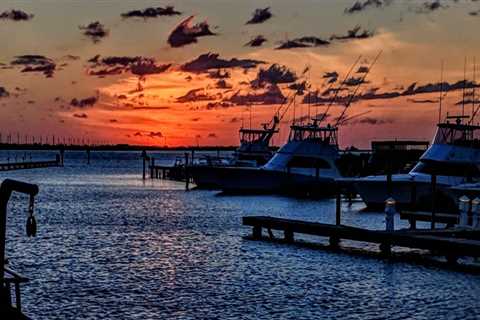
pixel 338 208
pixel 390 214
pixel 257 232
pixel 62 155
pixel 187 176
pixel 288 233
pixel 434 191
pixel 152 165
pixel 88 155
pixel 463 204
pixel 193 155
pixel 144 157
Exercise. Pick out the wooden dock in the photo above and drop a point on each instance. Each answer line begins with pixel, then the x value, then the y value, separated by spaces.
pixel 29 165
pixel 451 243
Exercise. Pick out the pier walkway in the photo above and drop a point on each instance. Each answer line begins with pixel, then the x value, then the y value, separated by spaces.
pixel 8 166
pixel 452 243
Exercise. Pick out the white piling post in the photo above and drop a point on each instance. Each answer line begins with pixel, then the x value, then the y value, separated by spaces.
pixel 463 204
pixel 389 214
pixel 476 213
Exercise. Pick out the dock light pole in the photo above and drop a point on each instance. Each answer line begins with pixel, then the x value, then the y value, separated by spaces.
pixel 476 213
pixel 390 214
pixel 6 189
pixel 463 204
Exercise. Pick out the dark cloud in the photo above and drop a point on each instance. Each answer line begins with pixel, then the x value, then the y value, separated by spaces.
pixel 303 42
pixel 151 12
pixel 430 6
pixel 373 94
pixel 422 100
pixel 218 105
pixel 371 121
pixel 148 66
pixel 195 95
pixel 186 33
pixel 212 136
pixel 331 76
pixel 4 93
pixel 80 115
pixel 222 84
pixel 299 87
pixel 140 66
pixel 16 15
pixel 83 103
pixel 274 74
pixel 95 31
pixel 35 63
pixel 356 33
pixel 354 81
pixel 269 95
pixel 210 61
pixel 260 16
pixel 362 69
pixel 359 6
pixel 256 41
pixel 234 120
pixel 113 120
pixel 155 134
pixel 467 102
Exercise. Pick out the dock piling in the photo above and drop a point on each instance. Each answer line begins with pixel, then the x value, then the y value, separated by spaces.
pixel 187 176
pixel 152 166
pixel 434 191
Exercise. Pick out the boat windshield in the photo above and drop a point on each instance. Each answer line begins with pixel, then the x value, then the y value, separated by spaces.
pixel 447 169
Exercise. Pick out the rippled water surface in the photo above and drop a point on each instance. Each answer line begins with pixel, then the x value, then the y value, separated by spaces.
pixel 112 246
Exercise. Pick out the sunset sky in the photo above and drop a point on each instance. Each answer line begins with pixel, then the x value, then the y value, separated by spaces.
pixel 135 77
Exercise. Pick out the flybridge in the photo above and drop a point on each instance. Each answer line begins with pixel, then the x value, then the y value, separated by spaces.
pixel 458 133
pixel 313 132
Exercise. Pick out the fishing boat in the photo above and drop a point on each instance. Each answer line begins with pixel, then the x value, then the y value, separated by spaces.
pixel 453 158
pixel 305 165
pixel 254 150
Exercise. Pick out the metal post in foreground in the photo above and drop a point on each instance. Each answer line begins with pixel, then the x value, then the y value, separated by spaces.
pixel 6 189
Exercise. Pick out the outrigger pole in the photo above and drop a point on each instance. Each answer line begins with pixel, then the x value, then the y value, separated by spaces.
pixel 338 90
pixel 358 87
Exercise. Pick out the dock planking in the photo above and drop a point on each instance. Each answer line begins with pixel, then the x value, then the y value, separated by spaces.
pixel 29 165
pixel 452 243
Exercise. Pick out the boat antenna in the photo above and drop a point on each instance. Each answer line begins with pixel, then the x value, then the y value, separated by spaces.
pixel 464 84
pixel 441 93
pixel 338 89
pixel 362 80
pixel 474 84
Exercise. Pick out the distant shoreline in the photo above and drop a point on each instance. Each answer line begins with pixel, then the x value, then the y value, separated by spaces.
pixel 118 147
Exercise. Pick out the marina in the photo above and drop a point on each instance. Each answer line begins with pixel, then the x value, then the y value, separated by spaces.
pixel 239 160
